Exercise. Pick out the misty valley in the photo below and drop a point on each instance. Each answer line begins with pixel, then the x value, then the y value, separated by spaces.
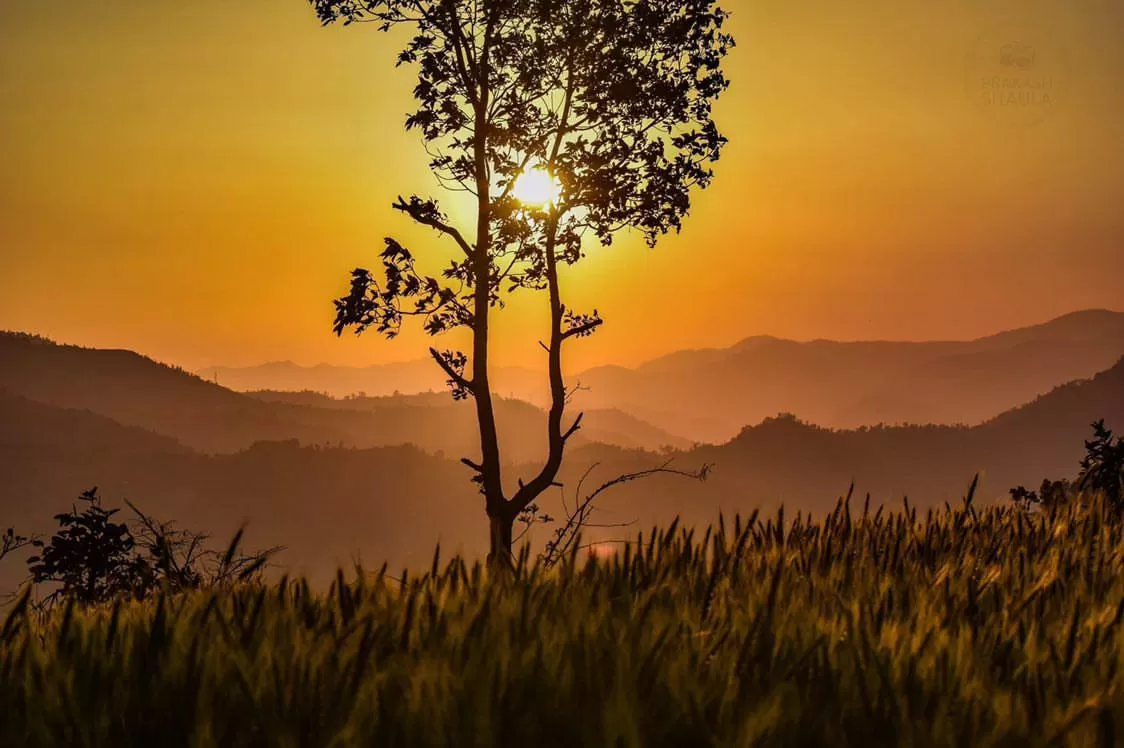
pixel 289 464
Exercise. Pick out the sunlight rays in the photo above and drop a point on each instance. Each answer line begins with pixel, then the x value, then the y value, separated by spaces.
pixel 537 187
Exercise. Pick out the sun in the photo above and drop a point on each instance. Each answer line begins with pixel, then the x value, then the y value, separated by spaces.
pixel 537 187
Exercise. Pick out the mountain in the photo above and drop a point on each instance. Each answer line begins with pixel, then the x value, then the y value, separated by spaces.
pixel 783 459
pixel 710 394
pixel 847 385
pixel 328 505
pixel 27 426
pixel 1048 432
pixel 339 381
pixel 409 377
pixel 136 391
pixel 433 419
pixel 139 392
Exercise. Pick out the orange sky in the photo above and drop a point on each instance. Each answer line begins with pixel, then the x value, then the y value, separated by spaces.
pixel 195 180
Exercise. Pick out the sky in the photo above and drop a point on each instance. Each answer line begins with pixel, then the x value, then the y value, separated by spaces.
pixel 195 181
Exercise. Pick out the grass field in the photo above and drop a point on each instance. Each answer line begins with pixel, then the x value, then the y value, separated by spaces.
pixel 960 627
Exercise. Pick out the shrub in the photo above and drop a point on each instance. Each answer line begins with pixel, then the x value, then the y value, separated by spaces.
pixel 93 558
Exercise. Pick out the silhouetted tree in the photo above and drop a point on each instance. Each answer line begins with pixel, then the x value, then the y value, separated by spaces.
pixel 91 556
pixel 1050 494
pixel 1102 468
pixel 609 100
pixel 1102 472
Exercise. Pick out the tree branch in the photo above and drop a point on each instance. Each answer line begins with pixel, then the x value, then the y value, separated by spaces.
pixel 566 536
pixel 583 329
pixel 455 376
pixel 573 428
pixel 416 211
pixel 10 542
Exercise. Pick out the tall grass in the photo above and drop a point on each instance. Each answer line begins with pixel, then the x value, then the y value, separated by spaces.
pixel 959 627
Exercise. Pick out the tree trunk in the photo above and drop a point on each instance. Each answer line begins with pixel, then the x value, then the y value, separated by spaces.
pixel 501 532
pixel 490 469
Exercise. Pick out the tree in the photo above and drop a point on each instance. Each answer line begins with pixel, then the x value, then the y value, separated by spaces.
pixel 91 556
pixel 1050 494
pixel 565 121
pixel 1102 468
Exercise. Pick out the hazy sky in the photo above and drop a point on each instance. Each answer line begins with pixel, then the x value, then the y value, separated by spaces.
pixel 196 179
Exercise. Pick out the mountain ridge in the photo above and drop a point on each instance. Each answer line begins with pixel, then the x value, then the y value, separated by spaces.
pixel 137 391
pixel 867 382
pixel 397 499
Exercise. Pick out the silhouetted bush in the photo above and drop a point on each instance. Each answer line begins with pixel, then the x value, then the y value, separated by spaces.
pixel 1102 469
pixel 94 558
pixel 1102 473
pixel 1050 494
pixel 91 557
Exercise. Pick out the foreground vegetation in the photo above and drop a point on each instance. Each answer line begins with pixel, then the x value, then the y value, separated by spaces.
pixel 998 626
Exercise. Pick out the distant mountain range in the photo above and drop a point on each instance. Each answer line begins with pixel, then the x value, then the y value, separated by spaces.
pixel 137 391
pixel 806 467
pixel 189 450
pixel 378 380
pixel 710 394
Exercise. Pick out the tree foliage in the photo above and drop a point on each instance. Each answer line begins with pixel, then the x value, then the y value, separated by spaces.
pixel 1102 468
pixel 91 556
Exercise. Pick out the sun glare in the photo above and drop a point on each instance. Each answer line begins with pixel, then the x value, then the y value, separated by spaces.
pixel 537 187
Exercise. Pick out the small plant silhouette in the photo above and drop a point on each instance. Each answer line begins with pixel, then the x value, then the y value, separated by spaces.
pixel 1051 493
pixel 94 557
pixel 91 556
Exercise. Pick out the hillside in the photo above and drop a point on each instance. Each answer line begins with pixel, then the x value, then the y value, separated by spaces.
pixel 139 392
pixel 783 459
pixel 72 418
pixel 28 427
pixel 326 504
pixel 847 385
pixel 709 395
pixel 436 420
pixel 406 377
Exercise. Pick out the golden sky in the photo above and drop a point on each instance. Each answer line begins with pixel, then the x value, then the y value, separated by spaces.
pixel 195 180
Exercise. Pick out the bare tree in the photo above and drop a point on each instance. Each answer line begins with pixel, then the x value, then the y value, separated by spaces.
pixel 567 121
